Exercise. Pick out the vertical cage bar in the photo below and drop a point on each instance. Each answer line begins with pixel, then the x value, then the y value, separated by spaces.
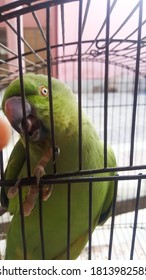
pixel 80 83
pixel 93 95
pixel 90 222
pixel 63 27
pixel 136 82
pixel 50 84
pixel 26 136
pixel 113 219
pixel 135 219
pixel 68 219
pixel 41 223
pixel 22 223
pixel 86 14
pixel 23 95
pixel 1 165
pixel 106 81
pixel 2 189
pixel 113 107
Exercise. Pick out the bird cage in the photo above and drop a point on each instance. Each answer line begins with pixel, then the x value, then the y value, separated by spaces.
pixel 98 48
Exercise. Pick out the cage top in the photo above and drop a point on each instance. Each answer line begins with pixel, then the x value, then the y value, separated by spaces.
pixel 75 31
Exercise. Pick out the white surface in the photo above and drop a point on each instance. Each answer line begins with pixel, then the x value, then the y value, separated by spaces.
pixel 122 238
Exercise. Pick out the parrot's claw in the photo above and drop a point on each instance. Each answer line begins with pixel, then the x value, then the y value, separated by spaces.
pixel 30 201
pixel 33 191
pixel 14 190
pixel 57 153
pixel 32 195
pixel 38 172
pixel 46 192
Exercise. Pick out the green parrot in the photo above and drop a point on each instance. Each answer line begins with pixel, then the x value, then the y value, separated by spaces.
pixel 54 197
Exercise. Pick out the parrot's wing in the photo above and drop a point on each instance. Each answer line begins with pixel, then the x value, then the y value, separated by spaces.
pixel 108 203
pixel 107 207
pixel 15 163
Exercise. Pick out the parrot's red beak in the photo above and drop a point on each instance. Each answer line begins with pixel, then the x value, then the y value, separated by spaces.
pixel 14 112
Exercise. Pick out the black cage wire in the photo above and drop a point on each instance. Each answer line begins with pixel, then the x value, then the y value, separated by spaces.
pixel 99 49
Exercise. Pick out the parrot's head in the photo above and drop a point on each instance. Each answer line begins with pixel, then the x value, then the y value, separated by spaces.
pixel 36 96
pixel 36 103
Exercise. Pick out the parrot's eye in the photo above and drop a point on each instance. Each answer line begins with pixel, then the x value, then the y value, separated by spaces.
pixel 44 91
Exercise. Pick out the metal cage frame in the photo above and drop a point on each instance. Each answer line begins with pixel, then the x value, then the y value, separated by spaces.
pixel 100 50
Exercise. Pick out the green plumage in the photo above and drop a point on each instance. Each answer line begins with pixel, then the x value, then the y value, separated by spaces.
pixel 65 111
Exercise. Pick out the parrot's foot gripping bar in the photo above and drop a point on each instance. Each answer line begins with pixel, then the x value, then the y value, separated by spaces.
pixel 33 191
